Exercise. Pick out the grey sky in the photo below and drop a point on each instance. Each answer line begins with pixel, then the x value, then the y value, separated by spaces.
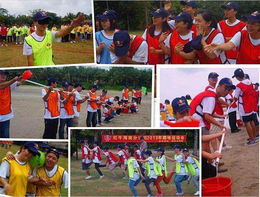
pixel 60 7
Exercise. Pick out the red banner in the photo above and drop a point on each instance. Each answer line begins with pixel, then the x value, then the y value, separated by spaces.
pixel 148 138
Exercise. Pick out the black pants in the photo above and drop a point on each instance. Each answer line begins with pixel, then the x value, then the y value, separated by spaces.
pixel 10 38
pixel 118 111
pixel 51 127
pixel 91 118
pixel 208 170
pixel 232 117
pixel 99 115
pixel 97 166
pixel 139 100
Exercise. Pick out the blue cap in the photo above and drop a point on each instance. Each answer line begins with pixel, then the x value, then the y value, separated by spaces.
pixel 160 13
pixel 81 142
pixel 4 71
pixel 78 84
pixel 95 87
pixel 52 79
pixel 119 146
pixel 127 144
pixel 136 146
pixel 184 16
pixel 194 44
pixel 257 84
pixel 32 146
pixel 247 76
pixel 177 146
pixel 255 16
pixel 180 104
pixel 212 75
pixel 54 151
pixel 105 147
pixel 190 3
pixel 161 149
pixel 185 150
pixel 41 16
pixel 95 142
pixel 238 73
pixel 108 14
pixel 43 145
pixel 148 152
pixel 65 84
pixel 227 82
pixel 121 40
pixel 230 5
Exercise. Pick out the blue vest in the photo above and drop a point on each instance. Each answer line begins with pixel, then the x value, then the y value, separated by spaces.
pixel 105 53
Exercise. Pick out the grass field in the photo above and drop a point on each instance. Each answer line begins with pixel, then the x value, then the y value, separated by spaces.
pixel 64 53
pixel 63 162
pixel 119 186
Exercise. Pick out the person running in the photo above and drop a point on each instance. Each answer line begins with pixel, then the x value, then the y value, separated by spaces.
pixel 111 159
pixel 86 160
pixel 96 158
pixel 123 157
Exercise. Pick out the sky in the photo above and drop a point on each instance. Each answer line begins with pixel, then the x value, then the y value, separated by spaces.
pixel 60 7
pixel 176 82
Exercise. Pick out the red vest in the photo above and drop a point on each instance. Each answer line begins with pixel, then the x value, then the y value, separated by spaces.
pixel 122 158
pixel 197 101
pixel 52 103
pixel 82 152
pixel 135 46
pixel 257 97
pixel 202 56
pixel 111 157
pixel 98 153
pixel 137 156
pixel 248 53
pixel 5 101
pixel 174 40
pixel 69 105
pixel 209 87
pixel 230 31
pixel 249 103
pixel 194 29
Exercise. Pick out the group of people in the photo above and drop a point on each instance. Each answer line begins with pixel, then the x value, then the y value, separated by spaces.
pixel 190 37
pixel 6 144
pixel 141 165
pixel 19 178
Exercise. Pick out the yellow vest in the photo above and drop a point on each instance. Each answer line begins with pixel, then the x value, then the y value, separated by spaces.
pixel 18 31
pixel 130 167
pixel 82 30
pixel 73 31
pixel 9 32
pixel 18 178
pixel 156 168
pixel 164 165
pixel 50 190
pixel 90 30
pixel 42 51
pixel 191 166
pixel 179 166
pixel 170 110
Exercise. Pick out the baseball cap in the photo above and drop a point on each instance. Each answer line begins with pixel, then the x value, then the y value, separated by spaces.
pixel 32 146
pixel 95 87
pixel 121 41
pixel 160 149
pixel 180 104
pixel 212 75
pixel 190 3
pixel 256 84
pixel 185 150
pixel 52 79
pixel 41 16
pixel 65 84
pixel 127 144
pixel 81 142
pixel 43 145
pixel 247 76
pixel 194 44
pixel 105 147
pixel 230 5
pixel 238 73
pixel 54 151
pixel 78 84
pixel 95 142
pixel 255 16
pixel 184 16
pixel 105 90
pixel 227 82
pixel 108 14
pixel 148 152
pixel 119 146
pixel 177 146
pixel 188 96
pixel 4 71
pixel 136 146
pixel 160 13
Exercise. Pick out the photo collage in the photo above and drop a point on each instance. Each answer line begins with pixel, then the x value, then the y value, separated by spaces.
pixel 129 98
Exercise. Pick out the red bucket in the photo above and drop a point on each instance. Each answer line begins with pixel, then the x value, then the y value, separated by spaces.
pixel 126 110
pixel 27 74
pixel 216 186
pixel 182 124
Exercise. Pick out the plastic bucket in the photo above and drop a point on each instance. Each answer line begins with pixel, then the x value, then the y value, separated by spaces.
pixel 217 186
pixel 27 74
pixel 182 124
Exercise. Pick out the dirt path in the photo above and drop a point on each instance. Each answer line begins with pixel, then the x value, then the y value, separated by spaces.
pixel 28 121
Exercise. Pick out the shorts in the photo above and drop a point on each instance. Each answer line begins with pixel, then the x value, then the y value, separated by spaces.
pixel 256 121
pixel 85 166
pixel 3 38
pixel 214 128
pixel 247 118
pixel 204 131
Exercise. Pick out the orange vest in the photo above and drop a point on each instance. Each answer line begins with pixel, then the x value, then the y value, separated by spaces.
pixel 93 104
pixel 5 101
pixel 52 103
pixel 102 99
pixel 77 105
pixel 126 93
pixel 69 105
pixel 135 94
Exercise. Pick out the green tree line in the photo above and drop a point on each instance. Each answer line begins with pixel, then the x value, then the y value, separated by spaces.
pixel 135 15
pixel 113 78
pixel 9 19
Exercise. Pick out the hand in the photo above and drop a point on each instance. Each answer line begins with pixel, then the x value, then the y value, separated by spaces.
pixel 187 119
pixel 178 48
pixel 211 47
pixel 50 89
pixel 163 37
pixel 142 177
pixel 111 48
pixel 87 97
pixel 167 5
pixel 10 156
pixel 77 21
pixel 152 50
pixel 200 30
pixel 223 128
pixel 72 94
pixel 216 155
pixel 102 44
pixel 190 61
pixel 7 187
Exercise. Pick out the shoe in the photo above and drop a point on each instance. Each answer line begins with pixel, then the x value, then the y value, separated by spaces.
pixel 250 143
pixel 101 177
pixel 16 43
pixel 125 177
pixel 6 45
pixel 158 194
pixel 149 195
pixel 197 193
pixel 179 194
pixel 71 42
pixel 235 131
pixel 98 125
pixel 113 177
pixel 188 180
pixel 226 147
pixel 88 177
pixel 222 170
pixel 221 164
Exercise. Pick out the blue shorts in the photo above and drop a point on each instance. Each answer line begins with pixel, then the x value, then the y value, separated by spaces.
pixel 248 118
pixel 85 166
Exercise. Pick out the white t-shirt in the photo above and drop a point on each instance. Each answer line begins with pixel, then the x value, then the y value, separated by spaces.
pixel 152 173
pixel 85 153
pixel 27 49
pixel 52 173
pixel 161 160
pixel 208 104
pixel 190 160
pixel 136 174
pixel 47 113
pixel 186 37
pixel 237 38
pixel 231 109
pixel 95 160
pixel 63 112
pixel 90 109
pixel 11 114
pixel 109 158
pixel 77 98
pixel 179 159
pixel 121 154
pixel 238 95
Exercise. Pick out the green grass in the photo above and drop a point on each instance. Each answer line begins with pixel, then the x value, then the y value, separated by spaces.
pixel 137 32
pixel 63 162
pixel 119 186
pixel 64 53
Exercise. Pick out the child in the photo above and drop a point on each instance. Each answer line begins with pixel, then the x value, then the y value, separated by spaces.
pixel 133 107
pixel 111 159
pixel 123 160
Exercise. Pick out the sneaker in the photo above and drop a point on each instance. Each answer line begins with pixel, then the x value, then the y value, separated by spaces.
pixel 250 143
pixel 125 177
pixel 98 125
pixel 88 177
pixel 113 177
pixel 6 45
pixel 197 193
pixel 158 194
pixel 101 177
pixel 71 42
pixel 179 194
pixel 149 195
pixel 226 147
pixel 221 164
pixel 188 180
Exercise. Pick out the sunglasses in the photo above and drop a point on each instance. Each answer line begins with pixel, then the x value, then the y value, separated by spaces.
pixel 44 21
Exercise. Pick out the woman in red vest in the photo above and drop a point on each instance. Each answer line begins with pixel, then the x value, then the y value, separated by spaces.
pixel 152 35
pixel 96 157
pixel 248 41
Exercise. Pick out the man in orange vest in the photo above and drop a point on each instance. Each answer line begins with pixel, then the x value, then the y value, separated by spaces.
pixel 51 97
pixel 125 94
pixel 6 111
pixel 92 107
pixel 103 99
